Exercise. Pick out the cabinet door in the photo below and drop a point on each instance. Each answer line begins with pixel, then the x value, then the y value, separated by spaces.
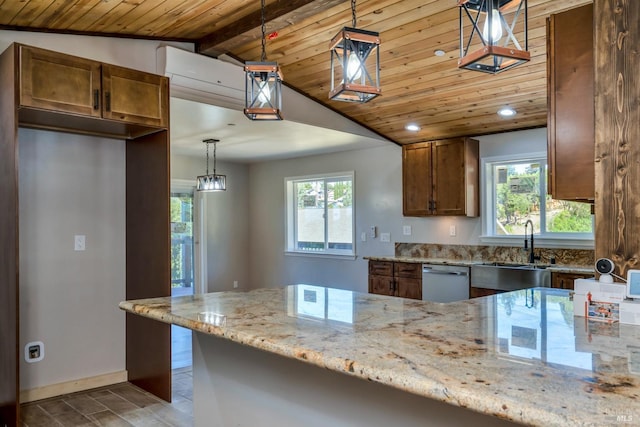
pixel 571 131
pixel 416 179
pixel 134 96
pixel 58 82
pixel 409 288
pixel 565 280
pixel 449 177
pixel 381 285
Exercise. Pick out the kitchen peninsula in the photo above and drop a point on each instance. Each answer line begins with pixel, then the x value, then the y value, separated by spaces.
pixel 515 357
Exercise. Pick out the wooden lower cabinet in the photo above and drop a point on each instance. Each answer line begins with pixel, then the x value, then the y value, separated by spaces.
pixel 482 292
pixel 400 279
pixel 565 280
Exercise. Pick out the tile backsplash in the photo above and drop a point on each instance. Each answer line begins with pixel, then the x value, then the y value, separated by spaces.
pixel 577 257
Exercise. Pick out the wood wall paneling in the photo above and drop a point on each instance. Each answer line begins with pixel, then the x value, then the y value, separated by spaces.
pixel 617 113
pixel 148 254
pixel 9 337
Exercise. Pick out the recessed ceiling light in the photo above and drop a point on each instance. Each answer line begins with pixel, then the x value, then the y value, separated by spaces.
pixel 412 127
pixel 439 52
pixel 506 112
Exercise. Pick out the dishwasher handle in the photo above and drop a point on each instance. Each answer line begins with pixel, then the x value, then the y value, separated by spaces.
pixel 427 270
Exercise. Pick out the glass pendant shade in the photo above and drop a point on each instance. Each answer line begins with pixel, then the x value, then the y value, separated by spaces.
pixel 263 91
pixel 211 182
pixel 493 35
pixel 355 65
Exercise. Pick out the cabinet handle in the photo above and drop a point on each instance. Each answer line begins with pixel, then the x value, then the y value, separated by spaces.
pixel 96 99
pixel 107 99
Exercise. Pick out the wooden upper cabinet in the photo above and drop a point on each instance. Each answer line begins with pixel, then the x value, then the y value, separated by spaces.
pixel 52 81
pixel 134 96
pixel 416 179
pixel 571 123
pixel 441 178
pixel 64 92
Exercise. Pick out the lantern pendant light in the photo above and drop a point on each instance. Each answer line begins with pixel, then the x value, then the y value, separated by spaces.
pixel 492 26
pixel 263 90
pixel 213 182
pixel 355 63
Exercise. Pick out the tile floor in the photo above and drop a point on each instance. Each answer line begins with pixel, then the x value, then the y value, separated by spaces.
pixel 116 405
pixel 124 404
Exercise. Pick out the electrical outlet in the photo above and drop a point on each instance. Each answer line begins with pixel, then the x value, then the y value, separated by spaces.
pixel 452 230
pixel 363 236
pixel 235 284
pixel 385 237
pixel 79 242
pixel 406 230
pixel 34 352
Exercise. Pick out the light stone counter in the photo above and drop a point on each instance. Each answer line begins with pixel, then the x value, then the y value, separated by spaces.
pixel 520 356
pixel 559 268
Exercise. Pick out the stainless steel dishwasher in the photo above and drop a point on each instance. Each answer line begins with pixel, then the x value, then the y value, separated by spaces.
pixel 445 283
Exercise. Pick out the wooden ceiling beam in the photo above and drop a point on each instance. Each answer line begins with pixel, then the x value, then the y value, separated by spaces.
pixel 278 15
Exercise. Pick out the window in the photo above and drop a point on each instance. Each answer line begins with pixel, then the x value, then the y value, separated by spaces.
pixel 320 214
pixel 516 191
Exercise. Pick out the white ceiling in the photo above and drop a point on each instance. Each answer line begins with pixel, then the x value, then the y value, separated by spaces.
pixel 246 141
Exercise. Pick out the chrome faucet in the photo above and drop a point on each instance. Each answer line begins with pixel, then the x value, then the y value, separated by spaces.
pixel 532 256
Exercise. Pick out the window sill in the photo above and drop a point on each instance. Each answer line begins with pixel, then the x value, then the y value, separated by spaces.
pixel 541 242
pixel 321 255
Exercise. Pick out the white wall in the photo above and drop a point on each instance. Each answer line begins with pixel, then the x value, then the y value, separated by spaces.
pixel 378 191
pixel 227 222
pixel 70 185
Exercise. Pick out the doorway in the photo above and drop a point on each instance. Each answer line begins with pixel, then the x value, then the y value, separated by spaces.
pixel 182 269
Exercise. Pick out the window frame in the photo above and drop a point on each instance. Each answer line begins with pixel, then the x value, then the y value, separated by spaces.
pixel 291 217
pixel 488 197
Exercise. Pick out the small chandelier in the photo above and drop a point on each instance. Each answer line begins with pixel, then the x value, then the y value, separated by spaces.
pixel 492 25
pixel 263 90
pixel 355 63
pixel 212 182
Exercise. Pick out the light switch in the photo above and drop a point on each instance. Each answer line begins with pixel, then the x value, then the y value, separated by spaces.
pixel 406 230
pixel 385 237
pixel 79 241
pixel 452 230
pixel 363 236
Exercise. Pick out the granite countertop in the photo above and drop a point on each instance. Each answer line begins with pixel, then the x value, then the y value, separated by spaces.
pixel 520 355
pixel 559 268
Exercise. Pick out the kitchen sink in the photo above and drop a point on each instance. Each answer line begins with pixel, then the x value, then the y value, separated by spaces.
pixel 509 277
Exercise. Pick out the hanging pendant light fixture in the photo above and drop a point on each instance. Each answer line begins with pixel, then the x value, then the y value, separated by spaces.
pixel 492 25
pixel 355 63
pixel 213 182
pixel 263 100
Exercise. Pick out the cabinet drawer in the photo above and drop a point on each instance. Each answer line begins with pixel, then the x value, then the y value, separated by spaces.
pixel 381 268
pixel 409 270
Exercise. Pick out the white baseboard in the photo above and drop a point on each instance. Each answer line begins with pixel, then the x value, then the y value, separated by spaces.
pixel 81 384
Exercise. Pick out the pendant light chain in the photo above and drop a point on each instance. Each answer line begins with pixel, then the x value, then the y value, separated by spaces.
pixel 214 157
pixel 263 58
pixel 353 13
pixel 208 158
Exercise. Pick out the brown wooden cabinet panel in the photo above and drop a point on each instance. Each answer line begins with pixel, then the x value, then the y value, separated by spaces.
pixel 409 288
pixel 67 93
pixel 571 123
pixel 440 178
pixel 381 285
pixel 417 187
pixel 133 96
pixel 482 292
pixel 63 83
pixel 401 279
pixel 565 280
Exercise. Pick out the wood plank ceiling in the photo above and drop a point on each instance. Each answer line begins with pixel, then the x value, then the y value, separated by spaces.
pixel 417 86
